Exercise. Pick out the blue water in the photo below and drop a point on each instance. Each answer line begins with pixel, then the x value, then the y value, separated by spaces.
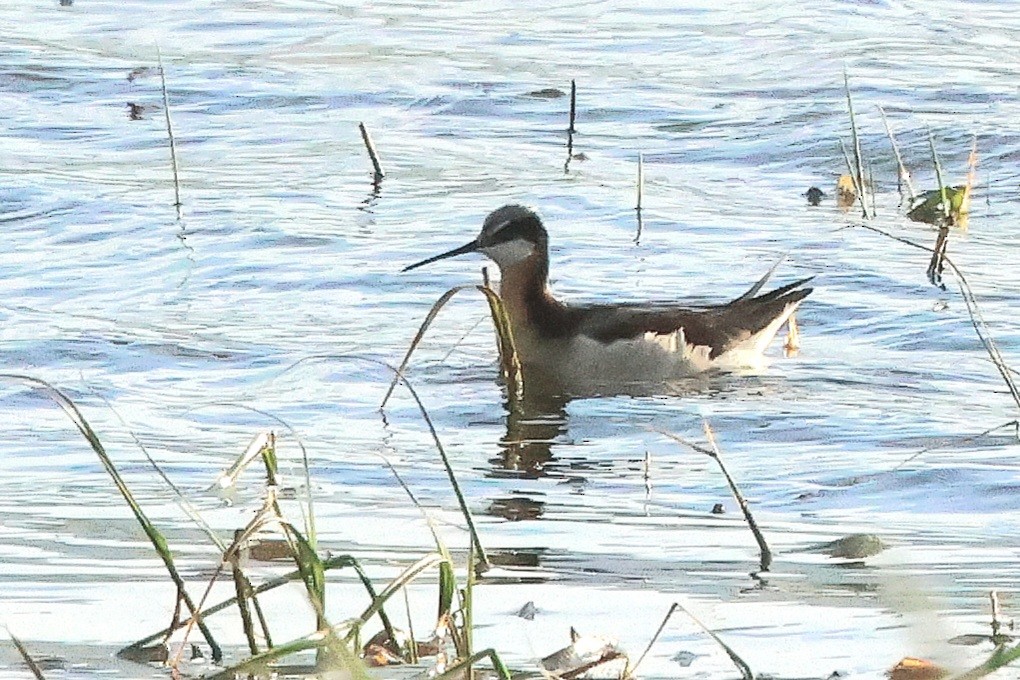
pixel 286 253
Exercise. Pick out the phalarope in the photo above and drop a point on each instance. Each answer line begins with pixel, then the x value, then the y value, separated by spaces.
pixel 593 347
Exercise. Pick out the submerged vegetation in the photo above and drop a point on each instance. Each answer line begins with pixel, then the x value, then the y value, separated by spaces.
pixel 444 645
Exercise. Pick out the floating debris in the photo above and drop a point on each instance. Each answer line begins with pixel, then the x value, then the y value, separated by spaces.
pixel 910 668
pixel 846 191
pixel 589 656
pixel 930 209
pixel 854 547
pixel 528 611
pixel 814 196
pixel 546 93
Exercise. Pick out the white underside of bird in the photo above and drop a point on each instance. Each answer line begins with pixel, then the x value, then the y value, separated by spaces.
pixel 582 364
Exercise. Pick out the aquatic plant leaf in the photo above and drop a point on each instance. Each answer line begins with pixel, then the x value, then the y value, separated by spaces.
pixel 929 208
pixel 309 566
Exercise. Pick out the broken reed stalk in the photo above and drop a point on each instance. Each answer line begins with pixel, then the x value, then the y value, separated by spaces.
pixel 632 670
pixel 956 441
pixel 582 670
pixel 640 179
pixel 570 126
pixel 573 106
pixel 937 264
pixel 365 137
pixel 946 208
pixel 26 656
pixel 242 589
pixel 904 174
pixel 170 134
pixel 855 138
pixel 457 669
pixel 765 551
pixel 871 183
pixel 745 670
pixel 976 318
pixel 996 625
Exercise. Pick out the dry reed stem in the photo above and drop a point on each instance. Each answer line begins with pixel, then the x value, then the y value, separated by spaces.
pixel 170 134
pixel 509 361
pixel 630 672
pixel 573 106
pixel 904 174
pixel 26 656
pixel 745 670
pixel 956 441
pixel 640 179
pixel 855 138
pixel 372 154
pixel 976 318
pixel 765 551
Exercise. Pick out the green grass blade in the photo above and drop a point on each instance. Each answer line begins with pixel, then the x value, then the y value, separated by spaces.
pixel 405 577
pixel 335 562
pixel 311 569
pixel 154 535
pixel 999 658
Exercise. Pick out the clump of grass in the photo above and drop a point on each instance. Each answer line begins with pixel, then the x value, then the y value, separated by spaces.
pixel 155 536
pixel 335 643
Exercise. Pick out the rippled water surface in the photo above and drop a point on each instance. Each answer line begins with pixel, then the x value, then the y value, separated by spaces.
pixel 286 264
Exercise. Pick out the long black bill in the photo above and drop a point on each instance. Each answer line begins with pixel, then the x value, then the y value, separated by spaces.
pixel 466 248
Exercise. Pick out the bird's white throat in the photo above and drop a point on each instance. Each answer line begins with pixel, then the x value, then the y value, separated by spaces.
pixel 509 253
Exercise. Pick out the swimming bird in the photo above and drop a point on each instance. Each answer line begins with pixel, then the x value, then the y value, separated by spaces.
pixel 608 347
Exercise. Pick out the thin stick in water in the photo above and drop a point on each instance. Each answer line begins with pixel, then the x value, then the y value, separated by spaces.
pixel 977 319
pixel 745 670
pixel 632 671
pixel 856 140
pixel 170 134
pixel 570 127
pixel 573 106
pixel 379 174
pixel 640 179
pixel 904 174
pixel 765 552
